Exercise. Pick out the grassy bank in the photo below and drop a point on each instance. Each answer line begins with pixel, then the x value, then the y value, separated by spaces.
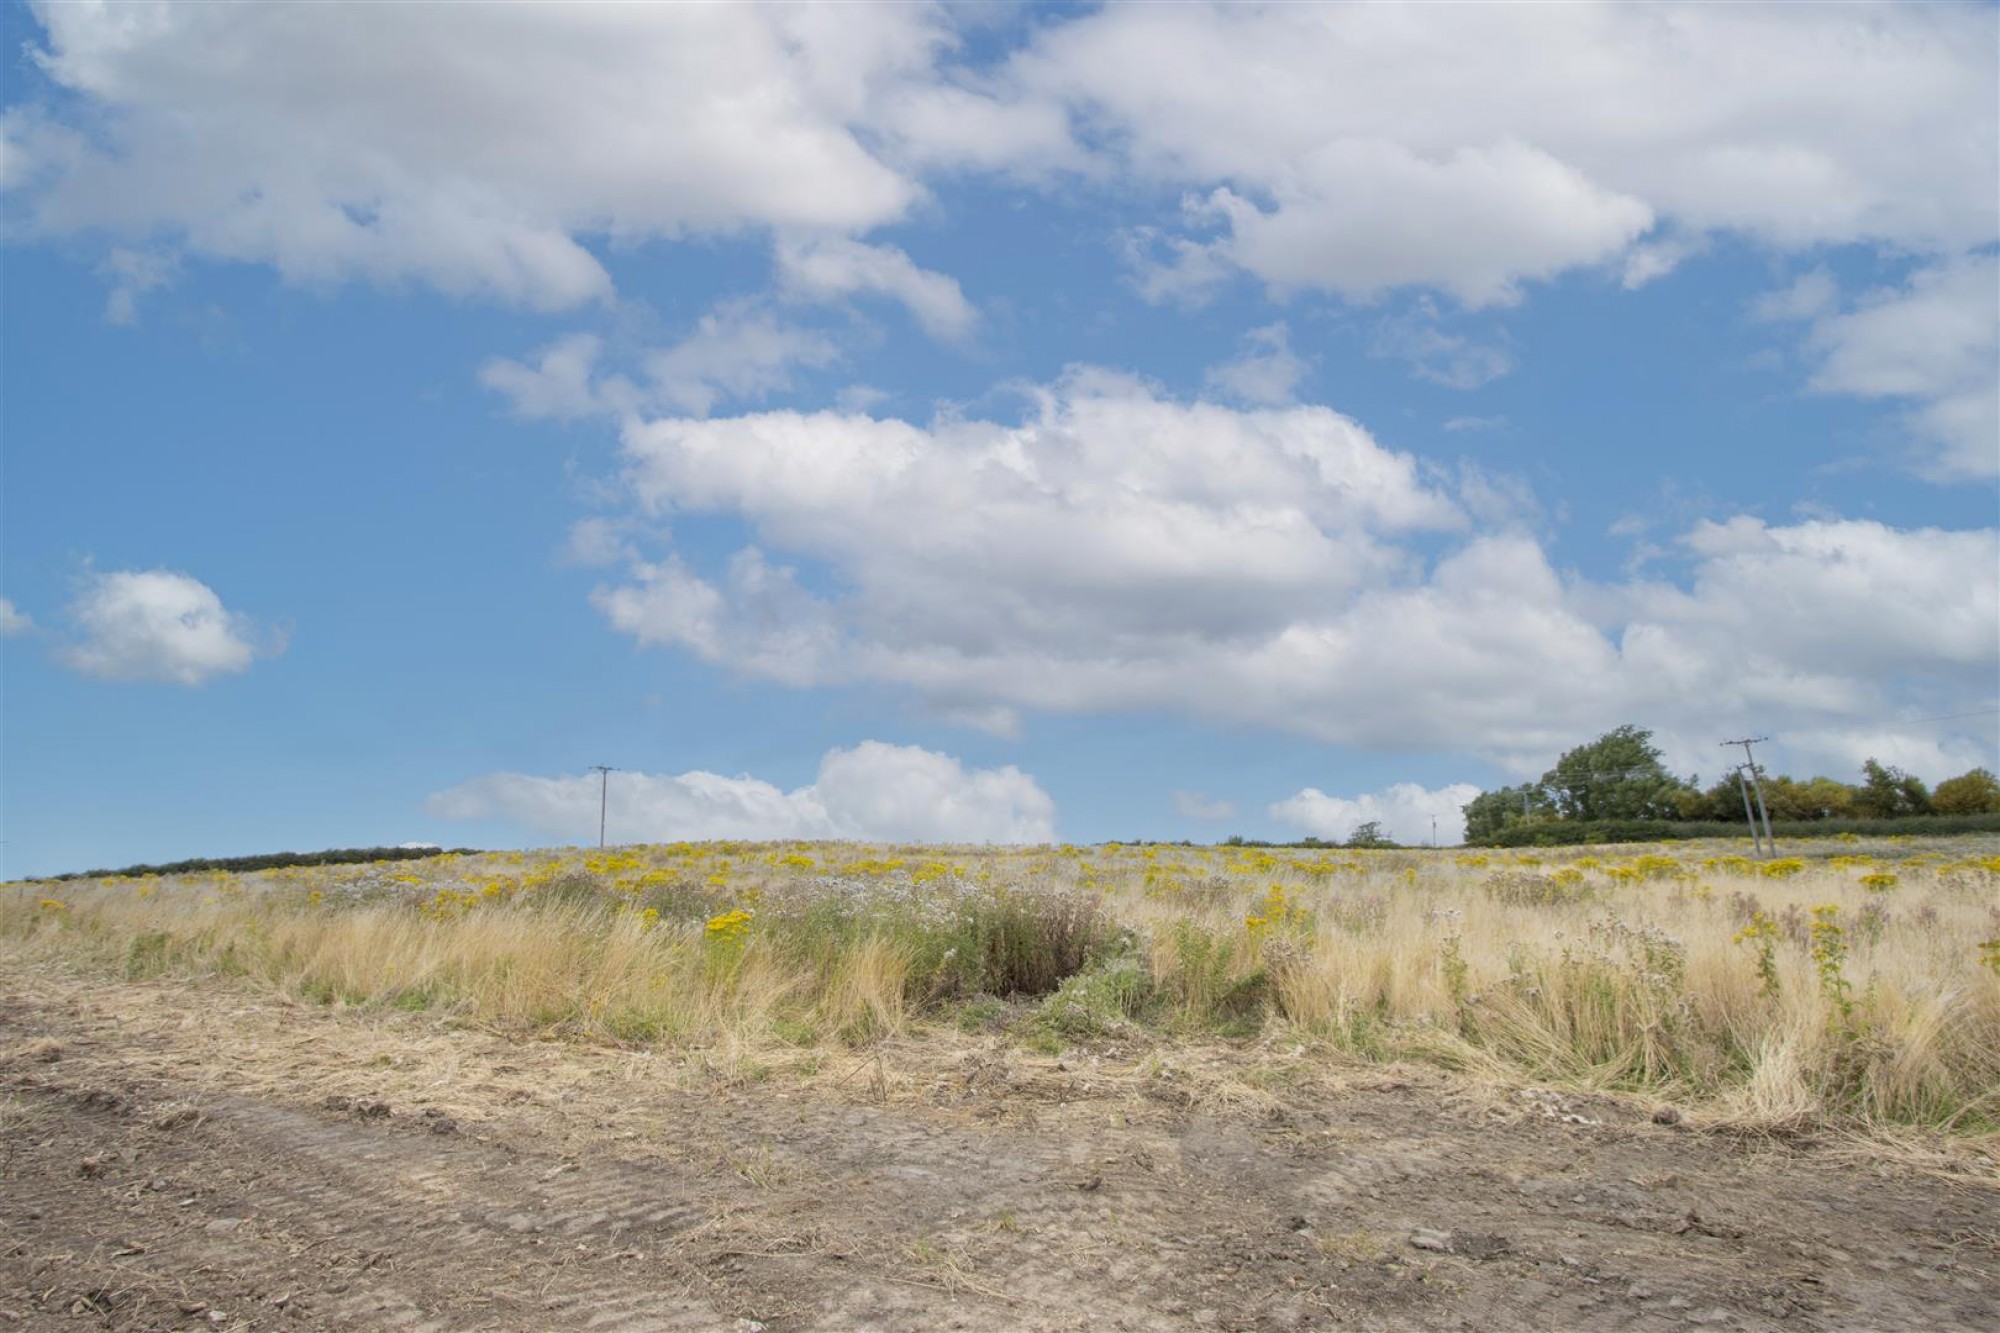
pixel 1858 985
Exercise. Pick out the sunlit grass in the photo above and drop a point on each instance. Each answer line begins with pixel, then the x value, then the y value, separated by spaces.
pixel 1854 983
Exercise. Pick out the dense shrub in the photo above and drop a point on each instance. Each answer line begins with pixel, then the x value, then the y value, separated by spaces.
pixel 1555 833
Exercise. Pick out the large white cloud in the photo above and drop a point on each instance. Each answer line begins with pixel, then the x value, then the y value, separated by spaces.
pixel 1119 550
pixel 1358 147
pixel 1110 526
pixel 874 792
pixel 157 625
pixel 469 148
pixel 1408 813
pixel 1350 147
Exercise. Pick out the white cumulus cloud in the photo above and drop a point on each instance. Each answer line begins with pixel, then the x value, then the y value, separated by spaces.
pixel 1408 813
pixel 1933 343
pixel 473 149
pixel 1361 147
pixel 1119 551
pixel 494 150
pixel 157 625
pixel 874 792
pixel 1362 217
pixel 13 620
pixel 736 351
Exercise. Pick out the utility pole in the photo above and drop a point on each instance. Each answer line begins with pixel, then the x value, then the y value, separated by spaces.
pixel 1756 834
pixel 1750 764
pixel 604 772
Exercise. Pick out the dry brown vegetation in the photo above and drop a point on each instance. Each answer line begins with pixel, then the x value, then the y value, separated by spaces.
pixel 814 1087
pixel 1852 984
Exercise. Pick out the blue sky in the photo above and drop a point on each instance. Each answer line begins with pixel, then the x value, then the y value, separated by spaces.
pixel 983 423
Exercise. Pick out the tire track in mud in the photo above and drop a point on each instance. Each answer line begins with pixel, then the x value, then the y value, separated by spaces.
pixel 581 1188
pixel 391 1226
pixel 453 1204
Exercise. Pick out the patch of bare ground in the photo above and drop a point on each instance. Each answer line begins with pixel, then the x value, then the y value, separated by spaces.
pixel 203 1157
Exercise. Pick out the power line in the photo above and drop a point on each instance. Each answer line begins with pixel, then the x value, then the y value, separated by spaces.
pixel 1945 717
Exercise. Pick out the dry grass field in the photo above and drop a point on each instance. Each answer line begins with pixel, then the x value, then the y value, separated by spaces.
pixel 821 1086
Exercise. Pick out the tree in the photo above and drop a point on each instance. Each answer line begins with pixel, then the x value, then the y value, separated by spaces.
pixel 1829 799
pixel 1491 812
pixel 1616 776
pixel 1889 793
pixel 1820 798
pixel 1723 801
pixel 1369 835
pixel 1974 793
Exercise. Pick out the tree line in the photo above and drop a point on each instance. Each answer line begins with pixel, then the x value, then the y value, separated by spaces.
pixel 269 861
pixel 1619 779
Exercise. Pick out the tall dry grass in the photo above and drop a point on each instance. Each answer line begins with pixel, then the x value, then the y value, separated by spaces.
pixel 1860 984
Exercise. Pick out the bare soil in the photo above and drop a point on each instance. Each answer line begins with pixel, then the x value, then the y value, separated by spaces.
pixel 181 1158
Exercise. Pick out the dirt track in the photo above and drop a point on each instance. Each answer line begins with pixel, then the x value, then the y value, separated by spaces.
pixel 208 1158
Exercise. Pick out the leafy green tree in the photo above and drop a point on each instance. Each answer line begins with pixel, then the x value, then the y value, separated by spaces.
pixel 1819 798
pixel 1888 793
pixel 1617 776
pixel 1488 813
pixel 1828 798
pixel 1974 793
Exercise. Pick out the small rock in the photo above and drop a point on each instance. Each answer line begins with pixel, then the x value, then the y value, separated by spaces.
pixel 1667 1115
pixel 1438 1242
pixel 90 1168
